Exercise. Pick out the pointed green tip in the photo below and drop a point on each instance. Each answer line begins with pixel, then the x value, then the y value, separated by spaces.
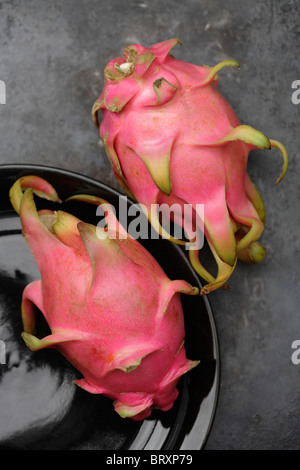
pixel 254 254
pixel 258 252
pixel 213 71
pixel 38 185
pixel 159 169
pixel 281 147
pixel 195 364
pixel 249 135
pixel 31 341
pixel 129 411
pixel 96 107
pixel 87 198
pixel 164 90
pixel 221 65
pixel 132 365
pixel 184 287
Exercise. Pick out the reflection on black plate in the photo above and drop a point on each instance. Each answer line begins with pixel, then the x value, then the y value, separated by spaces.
pixel 41 407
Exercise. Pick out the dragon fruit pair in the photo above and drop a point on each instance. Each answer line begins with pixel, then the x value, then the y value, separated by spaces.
pixel 112 311
pixel 173 139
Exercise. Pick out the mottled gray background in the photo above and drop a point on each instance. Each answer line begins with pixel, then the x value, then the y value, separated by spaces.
pixel 52 56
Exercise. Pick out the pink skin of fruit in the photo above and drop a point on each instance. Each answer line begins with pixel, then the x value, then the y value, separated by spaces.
pixel 112 311
pixel 172 137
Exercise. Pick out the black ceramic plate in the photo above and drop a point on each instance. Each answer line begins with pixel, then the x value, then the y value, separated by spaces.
pixel 41 407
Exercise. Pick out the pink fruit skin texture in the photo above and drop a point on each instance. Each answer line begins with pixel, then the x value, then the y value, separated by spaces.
pixel 112 311
pixel 172 138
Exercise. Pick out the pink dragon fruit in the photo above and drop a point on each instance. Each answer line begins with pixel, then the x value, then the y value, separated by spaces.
pixel 112 311
pixel 173 139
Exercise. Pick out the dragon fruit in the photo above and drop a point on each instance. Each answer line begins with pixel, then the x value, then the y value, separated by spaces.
pixel 112 311
pixel 173 139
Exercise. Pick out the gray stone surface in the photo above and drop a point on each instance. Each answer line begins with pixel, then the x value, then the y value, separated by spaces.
pixel 52 56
